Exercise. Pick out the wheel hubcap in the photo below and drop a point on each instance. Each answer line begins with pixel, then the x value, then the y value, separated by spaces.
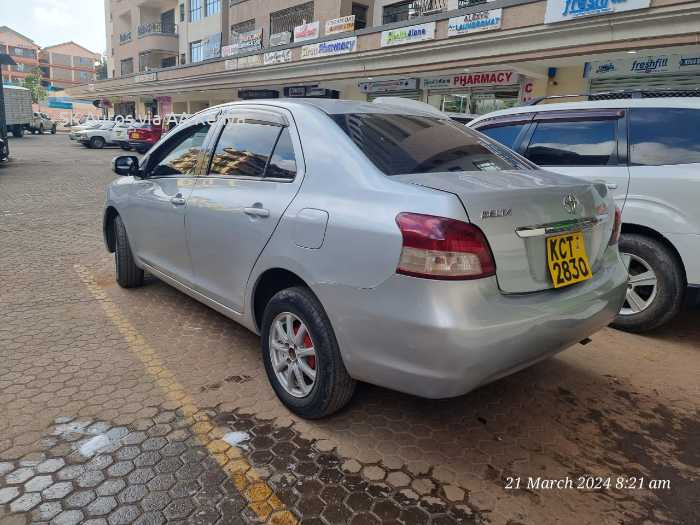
pixel 642 285
pixel 292 354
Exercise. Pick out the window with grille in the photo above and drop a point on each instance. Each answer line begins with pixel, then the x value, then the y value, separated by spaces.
pixel 196 51
pixel 196 10
pixel 243 27
pixel 468 3
pixel 182 12
pixel 127 66
pixel 396 12
pixel 360 12
pixel 288 19
pixel 407 10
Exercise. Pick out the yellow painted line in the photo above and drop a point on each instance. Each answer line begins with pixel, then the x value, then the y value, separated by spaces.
pixel 260 497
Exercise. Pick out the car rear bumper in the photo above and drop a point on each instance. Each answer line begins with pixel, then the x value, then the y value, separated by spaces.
pixel 440 339
pixel 140 144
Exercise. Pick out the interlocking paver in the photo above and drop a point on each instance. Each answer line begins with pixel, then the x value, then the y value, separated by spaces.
pixel 78 399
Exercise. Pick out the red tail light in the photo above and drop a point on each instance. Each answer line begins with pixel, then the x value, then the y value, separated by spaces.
pixel 441 248
pixel 615 235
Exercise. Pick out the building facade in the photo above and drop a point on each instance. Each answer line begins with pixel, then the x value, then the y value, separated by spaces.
pixel 466 56
pixel 67 64
pixel 23 51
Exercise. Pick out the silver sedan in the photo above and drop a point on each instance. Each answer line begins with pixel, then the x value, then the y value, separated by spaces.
pixel 368 243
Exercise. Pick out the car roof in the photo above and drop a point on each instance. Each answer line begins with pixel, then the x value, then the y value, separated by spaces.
pixel 656 102
pixel 329 106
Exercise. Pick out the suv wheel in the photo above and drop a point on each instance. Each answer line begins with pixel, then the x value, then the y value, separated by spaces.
pixel 128 274
pixel 301 355
pixel 53 129
pixel 655 289
pixel 97 142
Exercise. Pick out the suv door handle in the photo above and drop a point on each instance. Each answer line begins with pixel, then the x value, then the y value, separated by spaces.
pixel 256 212
pixel 611 186
pixel 178 200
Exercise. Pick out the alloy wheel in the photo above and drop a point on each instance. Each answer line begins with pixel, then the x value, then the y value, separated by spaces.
pixel 292 354
pixel 642 285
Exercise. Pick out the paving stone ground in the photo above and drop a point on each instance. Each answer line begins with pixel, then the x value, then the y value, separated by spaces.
pixel 143 406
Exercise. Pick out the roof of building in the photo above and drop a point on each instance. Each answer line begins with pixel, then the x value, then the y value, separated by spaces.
pixel 75 44
pixel 7 28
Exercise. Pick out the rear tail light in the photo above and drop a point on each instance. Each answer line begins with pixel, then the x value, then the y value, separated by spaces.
pixel 441 248
pixel 615 235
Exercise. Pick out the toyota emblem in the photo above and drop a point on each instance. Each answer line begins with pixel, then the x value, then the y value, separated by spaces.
pixel 570 203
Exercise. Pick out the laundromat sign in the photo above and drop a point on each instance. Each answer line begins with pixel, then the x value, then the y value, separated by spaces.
pixel 482 78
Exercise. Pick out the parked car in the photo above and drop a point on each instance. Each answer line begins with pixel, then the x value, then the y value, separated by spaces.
pixel 4 150
pixel 89 124
pixel 143 135
pixel 41 122
pixel 362 243
pixel 648 153
pixel 110 133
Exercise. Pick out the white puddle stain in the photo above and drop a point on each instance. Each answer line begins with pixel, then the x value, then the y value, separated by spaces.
pixel 236 438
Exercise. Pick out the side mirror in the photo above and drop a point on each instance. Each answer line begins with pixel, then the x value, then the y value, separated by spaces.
pixel 125 165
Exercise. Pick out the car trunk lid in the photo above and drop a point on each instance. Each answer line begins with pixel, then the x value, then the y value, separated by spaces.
pixel 519 210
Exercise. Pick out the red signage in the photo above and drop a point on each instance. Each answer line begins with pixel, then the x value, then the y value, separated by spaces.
pixel 491 78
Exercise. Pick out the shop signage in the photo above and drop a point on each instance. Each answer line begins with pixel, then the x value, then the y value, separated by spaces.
pixel 280 39
pixel 250 61
pixel 295 91
pixel 309 91
pixel 211 47
pixel 250 41
pixel 475 22
pixel 308 31
pixel 643 66
pixel 340 25
pixel 258 93
pixel 277 57
pixel 388 86
pixel 330 48
pixel 408 35
pixel 227 51
pixel 145 77
pixel 562 10
pixel 482 78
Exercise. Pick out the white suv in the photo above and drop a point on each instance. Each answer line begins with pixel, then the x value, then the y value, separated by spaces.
pixel 648 153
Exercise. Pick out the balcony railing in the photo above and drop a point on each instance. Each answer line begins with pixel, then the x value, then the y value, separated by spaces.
pixel 125 37
pixel 158 28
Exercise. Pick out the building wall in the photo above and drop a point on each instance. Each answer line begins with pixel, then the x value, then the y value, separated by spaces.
pixel 69 64
pixel 10 40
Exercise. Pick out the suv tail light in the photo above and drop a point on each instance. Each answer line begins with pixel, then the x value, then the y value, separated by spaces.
pixel 615 235
pixel 441 248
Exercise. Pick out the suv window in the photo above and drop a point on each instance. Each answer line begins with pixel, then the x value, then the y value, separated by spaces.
pixel 661 136
pixel 178 156
pixel 402 144
pixel 506 135
pixel 245 148
pixel 573 143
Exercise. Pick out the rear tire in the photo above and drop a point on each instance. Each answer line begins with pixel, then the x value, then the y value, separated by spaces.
pixel 97 142
pixel 53 129
pixel 18 132
pixel 128 274
pixel 649 306
pixel 333 387
pixel 41 129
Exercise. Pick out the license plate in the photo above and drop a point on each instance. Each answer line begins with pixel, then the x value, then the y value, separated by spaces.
pixel 567 259
pixel 135 135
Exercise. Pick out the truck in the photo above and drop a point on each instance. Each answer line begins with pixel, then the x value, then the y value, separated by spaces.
pixel 18 109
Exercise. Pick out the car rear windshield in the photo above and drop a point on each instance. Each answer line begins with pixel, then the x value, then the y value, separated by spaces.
pixel 403 144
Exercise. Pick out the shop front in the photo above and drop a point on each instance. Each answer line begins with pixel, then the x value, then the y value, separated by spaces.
pixel 473 93
pixel 400 87
pixel 676 73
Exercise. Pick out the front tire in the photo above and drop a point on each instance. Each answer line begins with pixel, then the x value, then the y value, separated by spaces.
pixel 656 286
pixel 128 274
pixel 53 129
pixel 41 129
pixel 295 329
pixel 97 142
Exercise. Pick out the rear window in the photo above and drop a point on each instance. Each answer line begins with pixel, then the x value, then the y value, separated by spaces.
pixel 660 136
pixel 403 144
pixel 573 143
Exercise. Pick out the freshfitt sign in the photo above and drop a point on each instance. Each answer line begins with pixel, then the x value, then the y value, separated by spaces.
pixel 308 31
pixel 643 66
pixel 408 35
pixel 562 10
pixel 482 78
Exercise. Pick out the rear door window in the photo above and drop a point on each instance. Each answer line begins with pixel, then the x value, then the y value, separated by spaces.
pixel 573 143
pixel 244 148
pixel 403 144
pixel 663 136
pixel 506 135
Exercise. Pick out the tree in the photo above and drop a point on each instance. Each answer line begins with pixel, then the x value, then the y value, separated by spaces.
pixel 33 83
pixel 101 69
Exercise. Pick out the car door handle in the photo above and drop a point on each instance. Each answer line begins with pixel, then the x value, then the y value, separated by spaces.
pixel 178 200
pixel 611 186
pixel 256 212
